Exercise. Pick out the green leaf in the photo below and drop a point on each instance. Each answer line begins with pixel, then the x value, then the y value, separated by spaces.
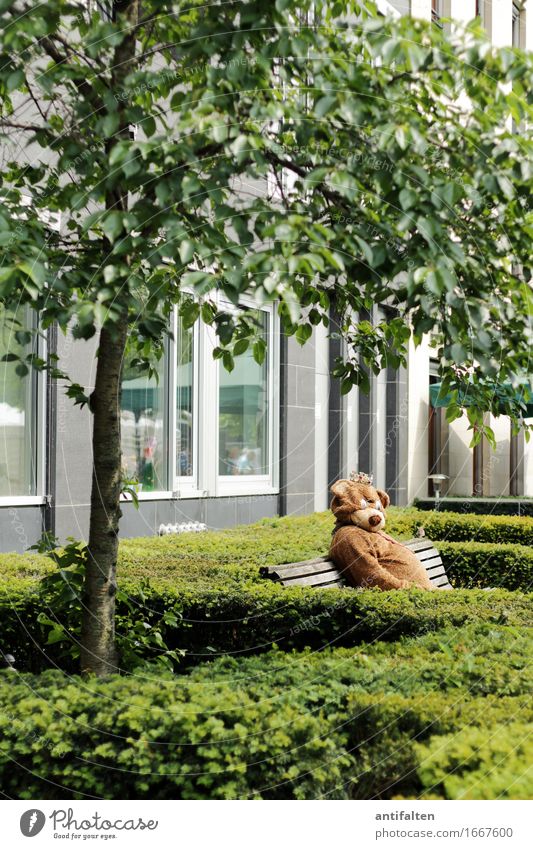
pixel 259 351
pixel 408 199
pixel 187 248
pixel 110 124
pixel 401 137
pixel 325 105
pixel 15 80
pixel 228 361
pixel 367 250
pixel 112 225
pixel 303 333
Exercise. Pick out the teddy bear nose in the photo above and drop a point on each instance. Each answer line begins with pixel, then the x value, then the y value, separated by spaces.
pixel 374 520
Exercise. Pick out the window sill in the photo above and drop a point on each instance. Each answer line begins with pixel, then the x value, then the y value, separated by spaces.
pixel 21 500
pixel 161 495
pixel 224 491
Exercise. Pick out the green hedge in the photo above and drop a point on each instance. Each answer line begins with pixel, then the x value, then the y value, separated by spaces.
pixel 212 581
pixel 488 763
pixel 237 553
pixel 459 527
pixel 504 506
pixel 280 726
pixel 479 564
pixel 251 618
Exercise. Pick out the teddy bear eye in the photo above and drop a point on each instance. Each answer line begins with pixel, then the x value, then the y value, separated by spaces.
pixel 378 504
pixel 363 503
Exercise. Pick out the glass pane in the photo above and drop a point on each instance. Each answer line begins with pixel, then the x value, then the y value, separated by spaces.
pixel 16 425
pixel 184 401
pixel 243 414
pixel 142 427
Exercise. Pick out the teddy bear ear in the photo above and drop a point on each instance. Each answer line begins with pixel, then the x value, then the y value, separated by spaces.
pixel 384 498
pixel 341 488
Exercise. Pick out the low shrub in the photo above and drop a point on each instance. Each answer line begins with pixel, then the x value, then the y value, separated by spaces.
pixel 478 763
pixel 203 593
pixel 250 618
pixel 478 659
pixel 479 564
pixel 459 527
pixel 503 506
pixel 283 726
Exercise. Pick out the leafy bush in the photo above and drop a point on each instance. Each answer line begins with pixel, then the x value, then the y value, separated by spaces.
pixel 137 637
pixel 479 763
pixel 482 506
pixel 235 555
pixel 459 527
pixel 479 564
pixel 233 618
pixel 280 726
pixel 203 593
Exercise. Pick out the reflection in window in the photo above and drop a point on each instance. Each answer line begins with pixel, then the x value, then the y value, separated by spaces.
pixel 17 466
pixel 184 401
pixel 142 427
pixel 244 414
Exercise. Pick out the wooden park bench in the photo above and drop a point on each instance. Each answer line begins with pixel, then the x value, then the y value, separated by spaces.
pixel 322 572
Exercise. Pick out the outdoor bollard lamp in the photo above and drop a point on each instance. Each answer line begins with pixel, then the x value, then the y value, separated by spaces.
pixel 438 480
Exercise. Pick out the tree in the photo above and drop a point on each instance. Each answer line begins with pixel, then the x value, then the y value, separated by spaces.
pixel 393 176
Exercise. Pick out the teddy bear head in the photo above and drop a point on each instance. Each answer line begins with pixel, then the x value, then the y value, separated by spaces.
pixel 358 502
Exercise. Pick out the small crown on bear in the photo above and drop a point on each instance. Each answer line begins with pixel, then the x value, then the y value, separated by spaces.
pixel 362 477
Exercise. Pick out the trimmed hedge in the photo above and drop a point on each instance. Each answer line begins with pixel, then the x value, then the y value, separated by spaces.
pixel 211 582
pixel 459 527
pixel 237 553
pixel 475 763
pixel 250 619
pixel 503 506
pixel 280 726
pixel 480 564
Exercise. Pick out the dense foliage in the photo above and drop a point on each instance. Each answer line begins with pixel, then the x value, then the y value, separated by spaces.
pixel 339 724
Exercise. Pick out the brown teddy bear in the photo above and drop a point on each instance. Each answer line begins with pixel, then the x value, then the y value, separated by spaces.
pixel 367 556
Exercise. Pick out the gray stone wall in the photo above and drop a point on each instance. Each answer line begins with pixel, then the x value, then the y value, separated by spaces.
pixel 297 427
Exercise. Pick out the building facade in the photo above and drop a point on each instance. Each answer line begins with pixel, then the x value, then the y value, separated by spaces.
pixel 223 448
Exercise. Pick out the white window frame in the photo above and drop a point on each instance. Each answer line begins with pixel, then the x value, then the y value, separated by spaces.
pixel 235 485
pixel 37 422
pixel 517 24
pixel 205 481
pixel 184 486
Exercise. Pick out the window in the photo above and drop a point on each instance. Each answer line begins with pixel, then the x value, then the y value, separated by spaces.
pixel 436 11
pixel 186 360
pixel 200 430
pixel 517 29
pixel 243 431
pixel 143 427
pixel 480 10
pixel 18 411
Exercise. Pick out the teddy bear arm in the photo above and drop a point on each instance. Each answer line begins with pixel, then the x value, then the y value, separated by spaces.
pixel 377 576
pixel 365 571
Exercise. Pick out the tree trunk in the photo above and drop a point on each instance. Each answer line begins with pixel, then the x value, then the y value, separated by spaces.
pixel 98 651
